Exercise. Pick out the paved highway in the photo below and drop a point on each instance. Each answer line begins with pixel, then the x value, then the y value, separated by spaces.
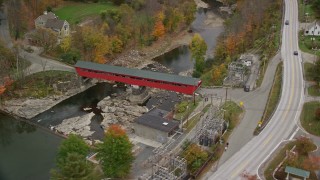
pixel 283 122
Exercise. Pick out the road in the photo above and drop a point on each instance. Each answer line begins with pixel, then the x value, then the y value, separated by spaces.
pixel 254 104
pixel 38 63
pixel 283 122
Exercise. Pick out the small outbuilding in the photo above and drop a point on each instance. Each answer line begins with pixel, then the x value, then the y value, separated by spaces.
pixel 296 172
pixel 155 125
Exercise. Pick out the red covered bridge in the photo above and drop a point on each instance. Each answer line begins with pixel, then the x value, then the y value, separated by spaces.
pixel 182 84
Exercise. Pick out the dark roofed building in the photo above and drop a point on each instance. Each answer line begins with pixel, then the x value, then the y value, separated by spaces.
pixel 154 125
pixel 59 26
pixel 55 24
pixel 41 20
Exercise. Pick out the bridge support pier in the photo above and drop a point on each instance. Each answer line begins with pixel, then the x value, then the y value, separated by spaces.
pixel 139 94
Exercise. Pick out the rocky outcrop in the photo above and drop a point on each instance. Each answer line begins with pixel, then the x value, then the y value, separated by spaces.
pixel 30 107
pixel 77 125
pixel 119 111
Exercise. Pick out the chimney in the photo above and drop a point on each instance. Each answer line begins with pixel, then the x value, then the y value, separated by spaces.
pixel 45 12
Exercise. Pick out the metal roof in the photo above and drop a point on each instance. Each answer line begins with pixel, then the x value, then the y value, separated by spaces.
pixel 154 119
pixel 297 172
pixel 139 73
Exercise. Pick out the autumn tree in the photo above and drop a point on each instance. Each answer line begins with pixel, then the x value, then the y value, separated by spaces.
pixel 116 45
pixel 231 45
pixel 218 73
pixel 159 29
pixel 93 43
pixel 304 145
pixel 248 176
pixel 198 49
pixel 45 37
pixel 195 157
pixel 65 44
pixel 311 163
pixel 173 19
pixel 7 61
pixel 188 9
pixel 115 153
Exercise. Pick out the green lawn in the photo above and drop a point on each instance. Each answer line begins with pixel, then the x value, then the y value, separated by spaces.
pixel 308 68
pixel 187 111
pixel 37 85
pixel 77 12
pixel 232 113
pixel 303 9
pixel 308 120
pixel 305 44
pixel 314 90
pixel 273 99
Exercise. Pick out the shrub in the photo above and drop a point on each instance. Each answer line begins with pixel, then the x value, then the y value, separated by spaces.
pixel 70 57
pixel 196 74
pixel 317 114
pixel 182 107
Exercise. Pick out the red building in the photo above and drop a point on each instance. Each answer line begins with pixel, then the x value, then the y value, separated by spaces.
pixel 171 82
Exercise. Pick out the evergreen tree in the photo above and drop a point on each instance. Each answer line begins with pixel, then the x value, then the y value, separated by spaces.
pixel 72 163
pixel 74 144
pixel 74 167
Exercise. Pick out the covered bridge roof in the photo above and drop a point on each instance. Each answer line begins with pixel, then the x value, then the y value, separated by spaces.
pixel 297 172
pixel 139 73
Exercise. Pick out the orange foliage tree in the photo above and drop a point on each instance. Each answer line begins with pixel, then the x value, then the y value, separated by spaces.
pixel 159 29
pixel 311 163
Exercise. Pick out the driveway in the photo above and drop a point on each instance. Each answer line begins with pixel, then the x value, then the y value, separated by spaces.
pixel 38 63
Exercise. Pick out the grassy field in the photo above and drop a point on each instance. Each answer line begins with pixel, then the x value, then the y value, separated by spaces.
pixel 37 85
pixel 188 111
pixel 308 120
pixel 303 9
pixel 314 90
pixel 274 97
pixel 308 67
pixel 79 11
pixel 232 113
pixel 305 44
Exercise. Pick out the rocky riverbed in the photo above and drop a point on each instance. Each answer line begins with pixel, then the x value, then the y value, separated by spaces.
pixel 30 107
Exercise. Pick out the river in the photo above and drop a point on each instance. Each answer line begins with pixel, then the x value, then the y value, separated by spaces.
pixel 27 152
pixel 209 24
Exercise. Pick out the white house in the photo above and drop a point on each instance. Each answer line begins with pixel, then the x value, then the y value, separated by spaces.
pixel 313 29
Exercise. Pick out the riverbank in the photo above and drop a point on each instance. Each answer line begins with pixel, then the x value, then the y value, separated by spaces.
pixel 30 107
pixel 134 58
pixel 141 57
